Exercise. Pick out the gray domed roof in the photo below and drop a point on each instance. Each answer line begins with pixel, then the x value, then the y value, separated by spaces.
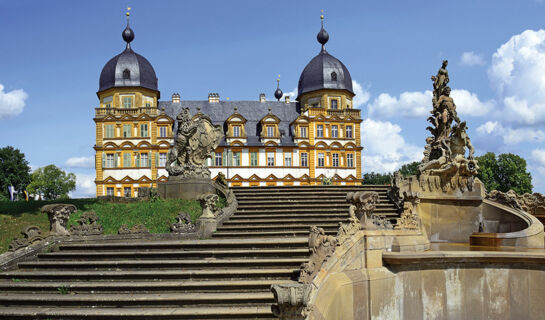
pixel 324 71
pixel 128 69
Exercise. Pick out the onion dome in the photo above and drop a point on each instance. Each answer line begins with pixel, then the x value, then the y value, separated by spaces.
pixel 128 69
pixel 324 71
pixel 278 93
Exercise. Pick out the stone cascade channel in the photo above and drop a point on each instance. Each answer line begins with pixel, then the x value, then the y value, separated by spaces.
pixel 225 277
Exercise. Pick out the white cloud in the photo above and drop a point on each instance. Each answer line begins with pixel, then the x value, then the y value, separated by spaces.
pixel 85 186
pixel 409 104
pixel 517 75
pixel 511 135
pixel 385 150
pixel 80 162
pixel 538 155
pixel 470 58
pixel 12 102
pixel 418 104
pixel 292 94
pixel 362 96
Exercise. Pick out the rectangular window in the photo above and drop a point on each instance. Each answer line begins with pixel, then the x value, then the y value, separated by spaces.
pixel 287 159
pixel 144 160
pixel 334 131
pixel 109 191
pixel 143 130
pixel 162 159
pixel 127 192
pixel 253 159
pixel 109 131
pixel 162 132
pixel 236 131
pixel 321 161
pixel 218 159
pixel 127 102
pixel 334 104
pixel 270 159
pixel 335 160
pixel 350 160
pixel 127 130
pixel 303 132
pixel 349 131
pixel 236 159
pixel 270 131
pixel 320 131
pixel 304 159
pixel 126 160
pixel 109 160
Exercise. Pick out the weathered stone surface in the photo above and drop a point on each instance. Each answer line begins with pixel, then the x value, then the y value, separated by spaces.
pixel 362 205
pixel 58 215
pixel 30 235
pixel 209 207
pixel 530 203
pixel 136 229
pixel 409 218
pixel 87 225
pixel 321 247
pixel 291 300
pixel 183 224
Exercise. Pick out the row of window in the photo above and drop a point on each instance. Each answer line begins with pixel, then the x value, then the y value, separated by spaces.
pixel 336 132
pixel 128 131
pixel 234 159
pixel 133 160
pixel 127 101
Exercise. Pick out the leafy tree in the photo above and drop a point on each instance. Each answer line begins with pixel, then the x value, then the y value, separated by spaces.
pixel 52 183
pixel 376 178
pixel 409 169
pixel 14 170
pixel 504 172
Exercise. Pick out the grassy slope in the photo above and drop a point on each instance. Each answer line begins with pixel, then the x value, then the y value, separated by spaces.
pixel 157 216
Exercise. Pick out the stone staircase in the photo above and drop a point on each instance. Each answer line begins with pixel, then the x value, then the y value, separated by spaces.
pixel 226 277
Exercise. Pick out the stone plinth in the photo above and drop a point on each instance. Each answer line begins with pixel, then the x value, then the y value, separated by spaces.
pixel 185 188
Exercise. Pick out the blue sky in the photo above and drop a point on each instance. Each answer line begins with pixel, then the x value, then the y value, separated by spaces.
pixel 53 51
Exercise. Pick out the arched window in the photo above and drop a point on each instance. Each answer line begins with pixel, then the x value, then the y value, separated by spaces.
pixel 333 76
pixel 126 74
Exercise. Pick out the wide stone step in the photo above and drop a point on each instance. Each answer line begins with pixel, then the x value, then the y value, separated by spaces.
pixel 320 188
pixel 188 244
pixel 295 211
pixel 287 221
pixel 272 227
pixel 239 312
pixel 161 264
pixel 286 216
pixel 297 197
pixel 228 274
pixel 297 205
pixel 173 254
pixel 260 234
pixel 134 300
pixel 138 286
pixel 289 194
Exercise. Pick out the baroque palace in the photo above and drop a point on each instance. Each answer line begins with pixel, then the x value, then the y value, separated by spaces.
pixel 278 142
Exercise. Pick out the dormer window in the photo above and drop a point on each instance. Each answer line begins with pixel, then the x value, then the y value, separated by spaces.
pixel 334 104
pixel 333 76
pixel 126 74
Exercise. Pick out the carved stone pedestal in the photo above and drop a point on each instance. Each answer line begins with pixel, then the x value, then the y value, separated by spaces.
pixel 185 188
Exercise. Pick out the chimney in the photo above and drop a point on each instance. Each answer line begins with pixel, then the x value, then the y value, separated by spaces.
pixel 213 97
pixel 287 99
pixel 175 98
pixel 262 97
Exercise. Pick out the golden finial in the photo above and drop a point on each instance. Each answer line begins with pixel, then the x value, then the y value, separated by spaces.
pixel 278 81
pixel 128 11
pixel 322 15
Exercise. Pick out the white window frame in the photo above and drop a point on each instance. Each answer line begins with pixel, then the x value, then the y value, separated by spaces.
pixel 304 132
pixel 110 158
pixel 321 159
pixel 162 159
pixel 335 160
pixel 348 131
pixel 334 131
pixel 270 159
pixel 236 131
pixel 218 159
pixel 144 161
pixel 287 159
pixel 304 159
pixel 349 160
pixel 109 191
pixel 270 131
pixel 162 132
pixel 320 131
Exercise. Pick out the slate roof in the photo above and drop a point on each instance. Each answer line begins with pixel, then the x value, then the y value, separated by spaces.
pixel 252 111
pixel 141 72
pixel 317 74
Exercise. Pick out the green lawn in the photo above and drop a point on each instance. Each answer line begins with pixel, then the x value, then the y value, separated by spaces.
pixel 157 215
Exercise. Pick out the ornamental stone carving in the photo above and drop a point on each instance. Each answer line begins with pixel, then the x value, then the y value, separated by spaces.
pixel 58 215
pixel 87 225
pixel 292 300
pixel 136 229
pixel 445 165
pixel 409 219
pixel 530 203
pixel 30 235
pixel 183 224
pixel 321 247
pixel 362 205
pixel 208 204
pixel 196 138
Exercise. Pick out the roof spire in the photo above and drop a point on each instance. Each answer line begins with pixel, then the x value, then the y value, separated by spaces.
pixel 278 93
pixel 128 34
pixel 322 36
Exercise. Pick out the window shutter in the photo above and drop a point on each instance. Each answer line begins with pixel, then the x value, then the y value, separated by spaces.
pixel 224 162
pixel 156 159
pixel 149 159
pixel 116 158
pixel 137 160
pixel 103 159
